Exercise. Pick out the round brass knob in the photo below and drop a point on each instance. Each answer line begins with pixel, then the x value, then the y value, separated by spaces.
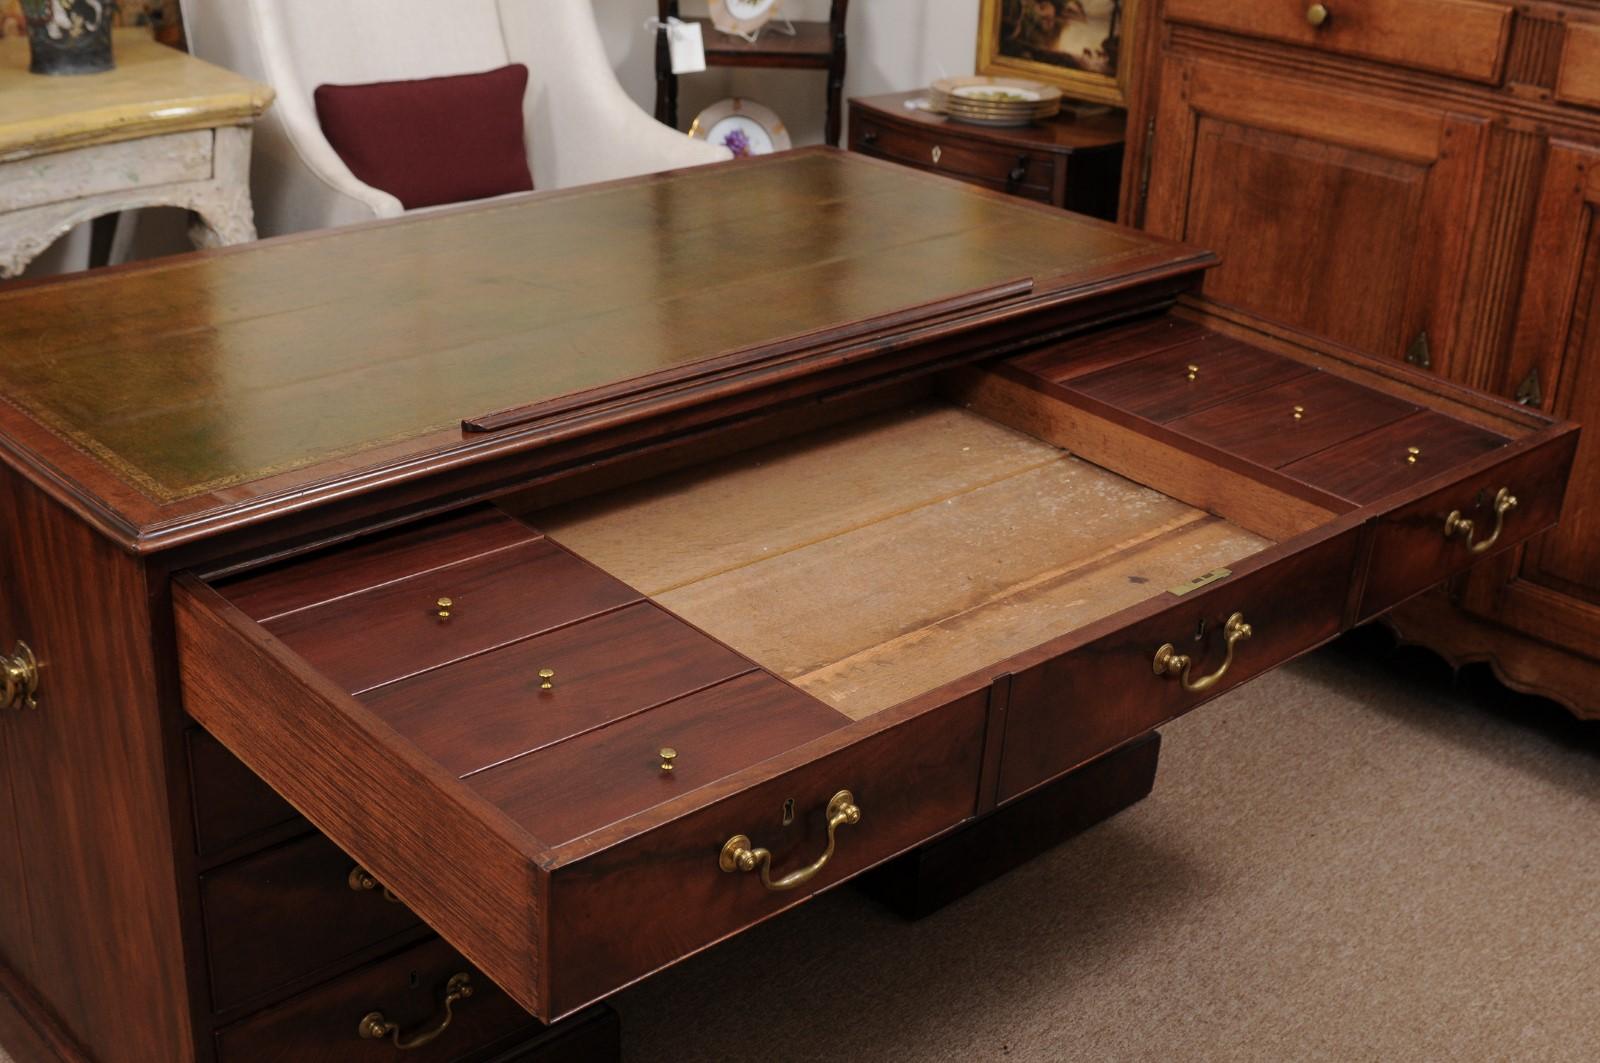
pixel 1318 15
pixel 668 755
pixel 547 678
pixel 444 605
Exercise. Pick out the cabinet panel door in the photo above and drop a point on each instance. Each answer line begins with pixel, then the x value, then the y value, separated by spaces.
pixel 1342 218
pixel 1554 592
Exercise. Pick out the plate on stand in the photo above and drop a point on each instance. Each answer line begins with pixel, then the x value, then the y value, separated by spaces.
pixel 744 127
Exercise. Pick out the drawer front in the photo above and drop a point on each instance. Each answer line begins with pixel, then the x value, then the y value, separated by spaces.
pixel 106 168
pixel 1097 696
pixel 1411 550
pixel 288 913
pixel 324 1025
pixel 1462 38
pixel 603 669
pixel 1016 171
pixel 401 628
pixel 632 908
pixel 231 804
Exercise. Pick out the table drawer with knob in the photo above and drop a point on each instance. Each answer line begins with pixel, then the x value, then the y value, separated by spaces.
pixel 1461 38
pixel 1016 171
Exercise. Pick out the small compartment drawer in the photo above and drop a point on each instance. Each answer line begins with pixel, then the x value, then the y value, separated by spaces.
pixel 288 913
pixel 324 1025
pixel 1419 545
pixel 602 669
pixel 444 614
pixel 1093 697
pixel 1462 38
pixel 949 153
pixel 231 804
pixel 105 168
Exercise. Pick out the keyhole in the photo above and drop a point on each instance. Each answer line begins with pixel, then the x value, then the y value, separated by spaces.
pixel 1200 630
pixel 414 981
pixel 788 812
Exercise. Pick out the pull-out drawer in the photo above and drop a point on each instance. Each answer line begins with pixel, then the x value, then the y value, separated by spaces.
pixel 1461 38
pixel 687 702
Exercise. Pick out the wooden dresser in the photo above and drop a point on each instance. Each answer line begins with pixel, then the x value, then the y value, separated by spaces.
pixel 425 629
pixel 1406 180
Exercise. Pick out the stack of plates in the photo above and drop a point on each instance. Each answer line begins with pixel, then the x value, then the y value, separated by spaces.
pixel 994 101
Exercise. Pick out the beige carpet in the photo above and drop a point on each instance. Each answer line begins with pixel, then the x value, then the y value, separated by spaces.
pixel 1350 859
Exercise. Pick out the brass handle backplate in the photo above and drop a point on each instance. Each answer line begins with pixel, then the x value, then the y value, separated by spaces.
pixel 1317 15
pixel 737 854
pixel 19 679
pixel 1169 662
pixel 374 1027
pixel 1455 524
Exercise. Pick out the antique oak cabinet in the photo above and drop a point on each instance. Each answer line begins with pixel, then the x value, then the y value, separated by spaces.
pixel 434 626
pixel 1409 180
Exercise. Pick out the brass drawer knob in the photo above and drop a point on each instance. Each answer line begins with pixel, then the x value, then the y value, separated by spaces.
pixel 738 855
pixel 361 881
pixel 19 679
pixel 1170 663
pixel 1193 371
pixel 1318 15
pixel 374 1027
pixel 1455 524
pixel 1299 413
pixel 547 678
pixel 668 755
pixel 444 605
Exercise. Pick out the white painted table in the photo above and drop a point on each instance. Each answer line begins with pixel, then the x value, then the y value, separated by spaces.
pixel 161 130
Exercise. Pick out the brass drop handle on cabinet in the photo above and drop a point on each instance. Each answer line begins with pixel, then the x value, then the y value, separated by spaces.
pixel 737 854
pixel 1318 15
pixel 1169 662
pixel 361 881
pixel 374 1027
pixel 19 679
pixel 1455 524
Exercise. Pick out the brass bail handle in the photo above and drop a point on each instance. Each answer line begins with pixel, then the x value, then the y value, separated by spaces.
pixel 362 881
pixel 737 855
pixel 19 679
pixel 1455 524
pixel 1169 662
pixel 374 1027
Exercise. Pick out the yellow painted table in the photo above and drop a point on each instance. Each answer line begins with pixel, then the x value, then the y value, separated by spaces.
pixel 162 129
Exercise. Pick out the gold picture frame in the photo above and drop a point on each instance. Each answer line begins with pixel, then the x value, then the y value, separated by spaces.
pixel 1025 38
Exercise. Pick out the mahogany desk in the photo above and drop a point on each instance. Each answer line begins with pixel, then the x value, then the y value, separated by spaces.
pixel 586 578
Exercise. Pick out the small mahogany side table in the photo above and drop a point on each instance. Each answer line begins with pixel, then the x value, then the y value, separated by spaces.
pixel 1074 163
pixel 161 130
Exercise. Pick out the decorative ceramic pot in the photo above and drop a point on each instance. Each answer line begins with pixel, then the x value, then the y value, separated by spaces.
pixel 69 36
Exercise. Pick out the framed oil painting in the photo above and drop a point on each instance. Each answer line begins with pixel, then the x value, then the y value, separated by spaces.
pixel 1083 46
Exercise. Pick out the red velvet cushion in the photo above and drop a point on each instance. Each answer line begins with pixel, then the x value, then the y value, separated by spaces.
pixel 434 140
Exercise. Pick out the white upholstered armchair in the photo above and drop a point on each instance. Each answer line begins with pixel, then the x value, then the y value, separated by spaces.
pixel 580 125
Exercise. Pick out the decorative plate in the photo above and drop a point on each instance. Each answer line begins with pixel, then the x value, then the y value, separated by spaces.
pixel 742 16
pixel 744 127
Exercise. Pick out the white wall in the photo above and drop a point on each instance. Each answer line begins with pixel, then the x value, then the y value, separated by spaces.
pixel 895 46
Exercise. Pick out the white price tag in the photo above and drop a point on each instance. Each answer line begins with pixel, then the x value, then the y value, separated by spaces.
pixel 686 46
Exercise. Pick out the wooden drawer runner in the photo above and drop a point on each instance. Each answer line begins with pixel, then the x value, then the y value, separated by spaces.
pixel 688 703
pixel 1462 38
